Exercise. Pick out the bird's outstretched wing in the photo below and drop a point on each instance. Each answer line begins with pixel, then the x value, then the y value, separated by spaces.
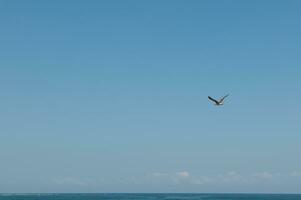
pixel 222 99
pixel 215 101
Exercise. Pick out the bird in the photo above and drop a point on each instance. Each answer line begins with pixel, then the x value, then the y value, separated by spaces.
pixel 218 102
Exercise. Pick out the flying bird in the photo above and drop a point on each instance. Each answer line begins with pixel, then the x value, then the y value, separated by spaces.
pixel 218 102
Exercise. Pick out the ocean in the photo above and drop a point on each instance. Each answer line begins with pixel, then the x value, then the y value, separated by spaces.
pixel 140 196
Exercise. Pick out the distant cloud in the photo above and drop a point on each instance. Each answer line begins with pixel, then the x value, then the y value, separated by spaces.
pixel 175 177
pixel 69 181
pixel 228 177
pixel 184 177
pixel 183 174
pixel 202 180
pixel 180 174
pixel 235 177
pixel 232 177
pixel 295 174
pixel 265 175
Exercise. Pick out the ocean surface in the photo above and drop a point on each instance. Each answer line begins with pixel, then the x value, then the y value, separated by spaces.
pixel 149 197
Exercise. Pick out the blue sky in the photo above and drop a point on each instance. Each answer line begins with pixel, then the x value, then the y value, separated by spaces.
pixel 111 96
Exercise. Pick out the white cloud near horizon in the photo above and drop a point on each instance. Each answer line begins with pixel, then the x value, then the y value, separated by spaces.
pixel 295 174
pixel 230 177
pixel 69 181
pixel 183 174
pixel 185 177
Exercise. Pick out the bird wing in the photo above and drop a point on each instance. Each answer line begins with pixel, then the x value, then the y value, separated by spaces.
pixel 222 99
pixel 215 101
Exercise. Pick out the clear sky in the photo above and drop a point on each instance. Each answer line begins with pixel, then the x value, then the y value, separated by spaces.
pixel 111 96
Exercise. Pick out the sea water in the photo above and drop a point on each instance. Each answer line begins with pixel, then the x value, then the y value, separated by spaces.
pixel 140 196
